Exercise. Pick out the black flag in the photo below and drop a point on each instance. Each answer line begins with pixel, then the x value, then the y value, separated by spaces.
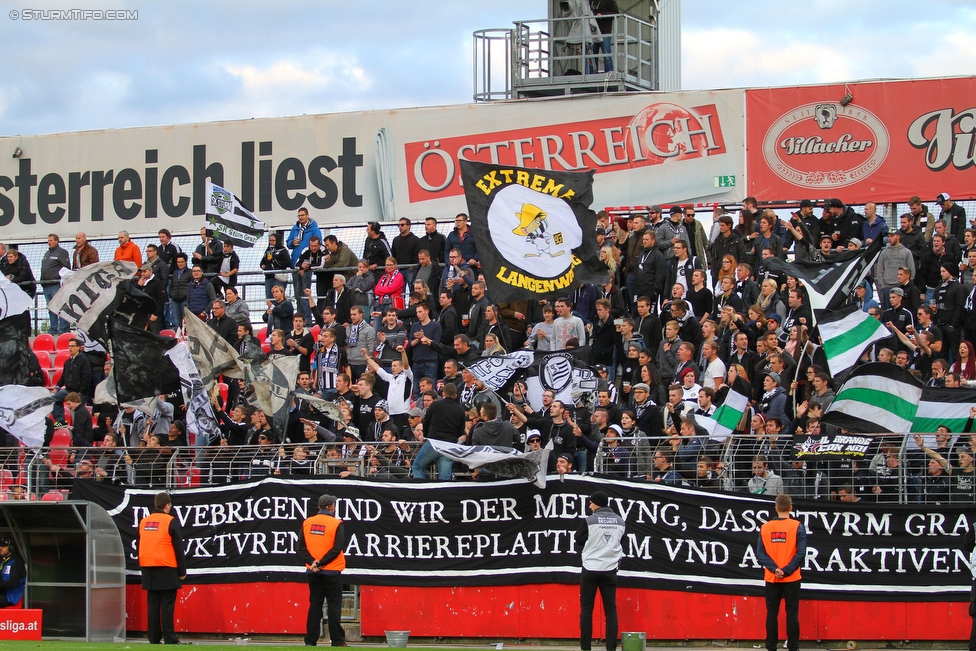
pixel 15 353
pixel 830 283
pixel 535 232
pixel 141 367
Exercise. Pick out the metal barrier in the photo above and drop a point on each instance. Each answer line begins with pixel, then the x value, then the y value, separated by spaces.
pixel 897 472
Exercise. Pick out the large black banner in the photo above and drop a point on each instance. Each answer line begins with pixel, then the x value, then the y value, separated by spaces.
pixel 510 532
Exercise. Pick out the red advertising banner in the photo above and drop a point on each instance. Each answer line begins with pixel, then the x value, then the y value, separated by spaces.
pixel 892 140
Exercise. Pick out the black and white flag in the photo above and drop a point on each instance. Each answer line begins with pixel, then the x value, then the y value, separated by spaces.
pixel 15 330
pixel 23 410
pixel 106 393
pixel 211 353
pixel 564 372
pixel 140 365
pixel 535 232
pixel 274 382
pixel 230 220
pixel 503 461
pixel 200 418
pixel 91 295
pixel 830 283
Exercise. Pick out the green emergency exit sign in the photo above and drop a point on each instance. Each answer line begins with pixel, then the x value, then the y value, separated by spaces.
pixel 725 181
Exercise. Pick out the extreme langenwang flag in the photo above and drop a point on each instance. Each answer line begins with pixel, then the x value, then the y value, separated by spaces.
pixel 230 220
pixel 535 232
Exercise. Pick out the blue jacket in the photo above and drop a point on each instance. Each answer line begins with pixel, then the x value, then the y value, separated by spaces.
pixel 467 247
pixel 869 232
pixel 13 579
pixel 296 233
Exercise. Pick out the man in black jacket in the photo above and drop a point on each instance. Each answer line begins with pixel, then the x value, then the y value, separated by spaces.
pixel 405 247
pixel 75 377
pixel 444 421
pixel 222 324
pixel 603 337
pixel 434 242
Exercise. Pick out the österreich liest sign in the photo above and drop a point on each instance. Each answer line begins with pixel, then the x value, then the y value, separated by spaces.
pixel 512 533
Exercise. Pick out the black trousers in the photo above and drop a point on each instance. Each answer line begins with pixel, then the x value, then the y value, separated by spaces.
pixel 789 592
pixel 607 584
pixel 161 606
pixel 324 588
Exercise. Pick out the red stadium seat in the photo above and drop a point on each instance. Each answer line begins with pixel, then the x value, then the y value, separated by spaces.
pixel 262 334
pixel 315 332
pixel 266 346
pixel 53 496
pixel 44 359
pixel 6 479
pixel 43 342
pixel 222 386
pixel 55 377
pixel 168 333
pixel 192 478
pixel 64 339
pixel 61 439
pixel 61 358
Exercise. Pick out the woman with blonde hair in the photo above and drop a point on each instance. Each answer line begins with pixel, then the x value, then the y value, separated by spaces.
pixel 769 299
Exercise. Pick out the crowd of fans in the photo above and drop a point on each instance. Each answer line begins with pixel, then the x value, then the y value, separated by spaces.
pixel 682 314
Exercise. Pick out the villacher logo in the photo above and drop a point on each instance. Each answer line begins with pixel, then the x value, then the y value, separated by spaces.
pixel 823 145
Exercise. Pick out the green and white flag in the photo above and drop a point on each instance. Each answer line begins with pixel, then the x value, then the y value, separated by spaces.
pixel 728 415
pixel 949 407
pixel 876 398
pixel 846 333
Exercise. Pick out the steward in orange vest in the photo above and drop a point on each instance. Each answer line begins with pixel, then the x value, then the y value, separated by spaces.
pixel 324 536
pixel 163 568
pixel 781 551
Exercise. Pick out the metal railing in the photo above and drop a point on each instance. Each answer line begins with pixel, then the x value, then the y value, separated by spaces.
pixel 537 56
pixel 894 471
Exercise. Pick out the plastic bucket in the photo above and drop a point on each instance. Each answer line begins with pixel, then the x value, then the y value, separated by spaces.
pixel 634 641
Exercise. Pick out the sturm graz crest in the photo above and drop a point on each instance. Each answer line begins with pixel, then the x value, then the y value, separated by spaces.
pixel 557 372
pixel 222 200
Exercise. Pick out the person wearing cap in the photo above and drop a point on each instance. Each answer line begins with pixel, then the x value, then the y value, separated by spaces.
pixel 953 214
pixel 892 258
pixel 668 232
pixel 847 222
pixel 617 459
pixel 781 549
pixel 160 548
pixel 598 540
pixel 324 537
pixel 13 574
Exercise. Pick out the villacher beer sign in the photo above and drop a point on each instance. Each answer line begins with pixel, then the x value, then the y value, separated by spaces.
pixel 823 146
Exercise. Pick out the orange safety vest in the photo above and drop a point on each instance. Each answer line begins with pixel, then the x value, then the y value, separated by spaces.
pixel 155 543
pixel 779 540
pixel 319 532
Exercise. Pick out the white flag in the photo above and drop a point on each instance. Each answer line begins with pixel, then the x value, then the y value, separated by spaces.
pixel 200 418
pixel 90 292
pixel 23 410
pixel 13 299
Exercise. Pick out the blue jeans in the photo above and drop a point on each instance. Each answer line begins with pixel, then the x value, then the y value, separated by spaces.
pixel 176 313
pixel 604 46
pixel 428 455
pixel 422 370
pixel 303 282
pixel 58 325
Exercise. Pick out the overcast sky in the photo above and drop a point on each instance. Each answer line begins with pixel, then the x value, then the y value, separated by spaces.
pixel 191 62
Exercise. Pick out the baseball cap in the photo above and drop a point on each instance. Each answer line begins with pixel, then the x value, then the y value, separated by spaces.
pixel 654 208
pixel 676 209
pixel 415 413
pixel 943 196
pixel 775 316
pixel 806 203
pixel 835 203
pixel 897 290
pixel 533 434
pixel 618 429
pixel 856 242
